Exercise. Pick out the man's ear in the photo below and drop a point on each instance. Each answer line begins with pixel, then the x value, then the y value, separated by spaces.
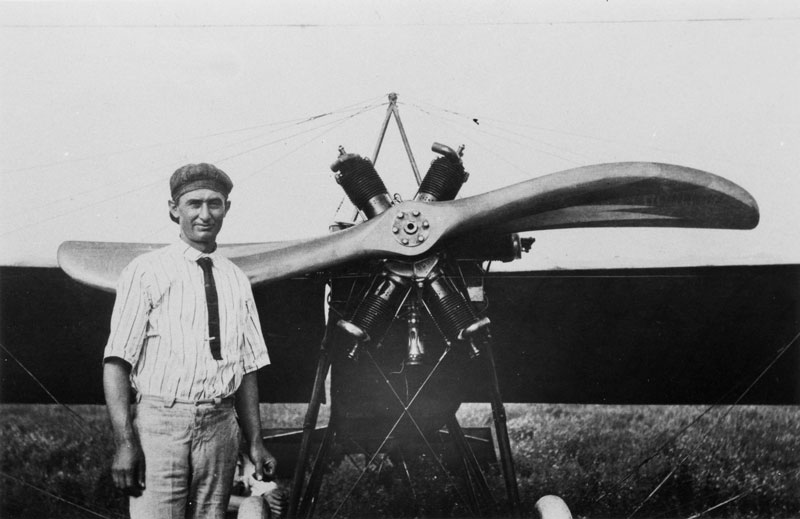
pixel 173 210
pixel 227 206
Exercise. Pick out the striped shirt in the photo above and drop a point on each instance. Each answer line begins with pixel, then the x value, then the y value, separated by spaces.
pixel 160 326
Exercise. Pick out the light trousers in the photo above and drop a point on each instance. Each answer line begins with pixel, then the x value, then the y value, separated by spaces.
pixel 190 458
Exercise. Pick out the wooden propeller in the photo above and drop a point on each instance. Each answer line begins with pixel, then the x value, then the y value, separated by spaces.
pixel 628 194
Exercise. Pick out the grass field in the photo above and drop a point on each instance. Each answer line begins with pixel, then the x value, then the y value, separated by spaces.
pixel 603 461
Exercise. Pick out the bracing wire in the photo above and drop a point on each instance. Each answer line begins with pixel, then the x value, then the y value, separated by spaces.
pixel 735 498
pixel 56 216
pixel 260 146
pixel 331 126
pixel 523 172
pixel 81 421
pixel 296 122
pixel 279 126
pixel 659 449
pixel 57 497
pixel 84 425
pixel 781 352
pixel 720 505
pixel 284 123
pixel 485 130
pixel 519 124
pixel 501 124
pixel 146 186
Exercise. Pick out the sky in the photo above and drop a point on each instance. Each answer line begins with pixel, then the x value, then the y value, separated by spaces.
pixel 100 102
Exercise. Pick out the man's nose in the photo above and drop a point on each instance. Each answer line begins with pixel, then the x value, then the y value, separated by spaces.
pixel 205 212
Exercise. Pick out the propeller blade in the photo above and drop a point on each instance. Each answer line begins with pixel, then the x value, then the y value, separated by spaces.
pixel 610 195
pixel 371 239
pixel 626 194
pixel 99 264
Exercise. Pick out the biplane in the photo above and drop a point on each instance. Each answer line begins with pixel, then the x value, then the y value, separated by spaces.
pixel 399 306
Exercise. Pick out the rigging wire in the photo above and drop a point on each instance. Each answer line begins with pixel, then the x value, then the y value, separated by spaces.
pixel 565 133
pixel 660 448
pixel 736 498
pixel 286 123
pixel 523 173
pixel 156 183
pixel 726 502
pixel 484 129
pixel 81 421
pixel 59 498
pixel 362 110
pixel 149 185
pixel 332 125
pixel 90 430
pixel 298 121
pixel 781 352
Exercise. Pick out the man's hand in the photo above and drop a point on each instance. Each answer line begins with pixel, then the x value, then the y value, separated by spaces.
pixel 250 422
pixel 263 461
pixel 128 468
pixel 277 502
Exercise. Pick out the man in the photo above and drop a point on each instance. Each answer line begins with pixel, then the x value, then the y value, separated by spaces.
pixel 185 336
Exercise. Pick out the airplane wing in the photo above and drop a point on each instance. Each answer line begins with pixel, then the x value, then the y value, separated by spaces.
pixel 660 335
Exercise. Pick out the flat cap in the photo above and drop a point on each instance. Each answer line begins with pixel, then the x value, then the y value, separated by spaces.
pixel 199 176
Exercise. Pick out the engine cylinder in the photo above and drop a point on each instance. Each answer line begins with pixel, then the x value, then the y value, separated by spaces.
pixel 448 306
pixel 376 311
pixel 443 180
pixel 362 184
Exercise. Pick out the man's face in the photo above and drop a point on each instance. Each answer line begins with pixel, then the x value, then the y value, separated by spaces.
pixel 200 214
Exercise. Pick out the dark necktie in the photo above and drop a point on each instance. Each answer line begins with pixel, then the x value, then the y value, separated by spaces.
pixel 213 306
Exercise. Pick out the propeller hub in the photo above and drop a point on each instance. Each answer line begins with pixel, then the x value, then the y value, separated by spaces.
pixel 410 228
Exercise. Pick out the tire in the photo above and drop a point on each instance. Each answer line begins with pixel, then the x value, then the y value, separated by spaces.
pixel 253 508
pixel 552 507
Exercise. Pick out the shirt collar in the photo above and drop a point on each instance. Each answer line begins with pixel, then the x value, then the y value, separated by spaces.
pixel 192 254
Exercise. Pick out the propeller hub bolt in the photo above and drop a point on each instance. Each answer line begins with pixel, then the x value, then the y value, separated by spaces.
pixel 410 228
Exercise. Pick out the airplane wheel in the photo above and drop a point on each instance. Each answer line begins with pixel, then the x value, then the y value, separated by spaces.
pixel 253 508
pixel 552 507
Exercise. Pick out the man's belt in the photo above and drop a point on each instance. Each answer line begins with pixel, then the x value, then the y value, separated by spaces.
pixel 171 401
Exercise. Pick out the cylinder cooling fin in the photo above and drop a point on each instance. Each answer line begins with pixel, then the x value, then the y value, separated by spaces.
pixel 376 311
pixel 448 306
pixel 443 180
pixel 362 184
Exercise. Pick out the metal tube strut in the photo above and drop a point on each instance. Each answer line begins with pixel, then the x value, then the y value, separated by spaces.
pixel 310 422
pixel 499 415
